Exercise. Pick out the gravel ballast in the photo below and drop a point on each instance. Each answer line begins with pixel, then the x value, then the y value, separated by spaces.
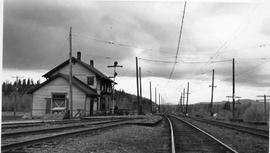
pixel 122 139
pixel 242 142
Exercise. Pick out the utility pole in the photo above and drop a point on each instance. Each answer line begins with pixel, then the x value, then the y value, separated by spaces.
pixel 187 98
pixel 155 97
pixel 265 112
pixel 238 103
pixel 158 103
pixel 233 84
pixel 183 100
pixel 137 80
pixel 114 66
pixel 150 97
pixel 140 78
pixel 212 92
pixel 70 73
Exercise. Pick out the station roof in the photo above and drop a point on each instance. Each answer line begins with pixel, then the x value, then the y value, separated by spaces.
pixel 75 82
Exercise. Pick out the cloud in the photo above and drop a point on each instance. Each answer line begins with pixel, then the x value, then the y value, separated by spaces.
pixel 36 36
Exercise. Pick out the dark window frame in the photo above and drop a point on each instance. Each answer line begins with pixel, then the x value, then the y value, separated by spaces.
pixel 90 80
pixel 56 97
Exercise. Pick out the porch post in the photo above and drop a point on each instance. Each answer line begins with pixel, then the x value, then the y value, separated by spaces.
pixel 85 105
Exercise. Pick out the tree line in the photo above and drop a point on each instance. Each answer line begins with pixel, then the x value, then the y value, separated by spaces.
pixel 21 86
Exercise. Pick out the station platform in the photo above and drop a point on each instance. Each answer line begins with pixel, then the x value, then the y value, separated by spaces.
pixel 113 117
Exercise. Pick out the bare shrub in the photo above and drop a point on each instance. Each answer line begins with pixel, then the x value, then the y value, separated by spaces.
pixel 254 113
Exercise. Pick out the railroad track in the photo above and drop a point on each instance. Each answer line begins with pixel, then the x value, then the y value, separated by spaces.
pixel 53 129
pixel 39 123
pixel 13 141
pixel 186 137
pixel 253 131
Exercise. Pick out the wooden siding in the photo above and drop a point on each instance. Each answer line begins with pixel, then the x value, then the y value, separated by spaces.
pixel 80 72
pixel 87 106
pixel 58 85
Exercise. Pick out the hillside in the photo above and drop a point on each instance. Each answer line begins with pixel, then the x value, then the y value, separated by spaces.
pixel 247 109
pixel 129 102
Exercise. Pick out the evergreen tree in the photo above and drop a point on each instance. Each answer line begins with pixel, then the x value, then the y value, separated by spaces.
pixel 32 82
pixel 19 83
pixel 38 82
pixel 9 88
pixel 4 91
pixel 24 83
pixel 15 83
pixel 28 83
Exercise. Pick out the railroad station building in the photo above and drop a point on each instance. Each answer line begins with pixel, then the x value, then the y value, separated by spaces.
pixel 91 90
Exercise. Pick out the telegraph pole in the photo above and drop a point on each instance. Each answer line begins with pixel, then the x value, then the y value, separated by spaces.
pixel 140 78
pixel 183 100
pixel 150 97
pixel 187 98
pixel 155 97
pixel 265 112
pixel 233 84
pixel 181 103
pixel 212 92
pixel 137 80
pixel 159 102
pixel 114 66
pixel 70 73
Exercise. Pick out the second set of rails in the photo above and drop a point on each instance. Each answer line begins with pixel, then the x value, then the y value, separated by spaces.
pixel 12 141
pixel 184 136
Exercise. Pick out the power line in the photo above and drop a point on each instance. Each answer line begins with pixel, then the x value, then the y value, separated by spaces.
pixel 182 61
pixel 225 44
pixel 120 44
pixel 180 35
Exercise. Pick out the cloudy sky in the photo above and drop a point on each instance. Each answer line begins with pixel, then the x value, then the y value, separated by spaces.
pixel 35 39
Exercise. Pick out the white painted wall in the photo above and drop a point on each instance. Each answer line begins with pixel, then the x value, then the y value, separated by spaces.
pixel 57 85
pixel 80 72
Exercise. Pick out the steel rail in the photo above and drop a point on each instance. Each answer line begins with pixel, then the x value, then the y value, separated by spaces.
pixel 207 134
pixel 37 123
pixel 172 135
pixel 249 130
pixel 16 145
pixel 37 131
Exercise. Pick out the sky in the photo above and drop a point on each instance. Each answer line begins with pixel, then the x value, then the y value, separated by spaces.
pixel 35 40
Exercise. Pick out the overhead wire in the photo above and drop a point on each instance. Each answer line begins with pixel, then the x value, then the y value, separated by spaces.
pixel 182 61
pixel 225 44
pixel 179 40
pixel 121 44
pixel 217 53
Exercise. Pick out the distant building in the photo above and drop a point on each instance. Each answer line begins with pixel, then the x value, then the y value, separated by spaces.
pixel 91 90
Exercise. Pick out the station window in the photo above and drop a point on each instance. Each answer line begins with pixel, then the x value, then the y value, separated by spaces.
pixel 58 102
pixel 90 80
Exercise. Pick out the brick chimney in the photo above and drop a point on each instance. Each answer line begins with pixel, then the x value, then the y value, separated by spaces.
pixel 92 63
pixel 79 55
